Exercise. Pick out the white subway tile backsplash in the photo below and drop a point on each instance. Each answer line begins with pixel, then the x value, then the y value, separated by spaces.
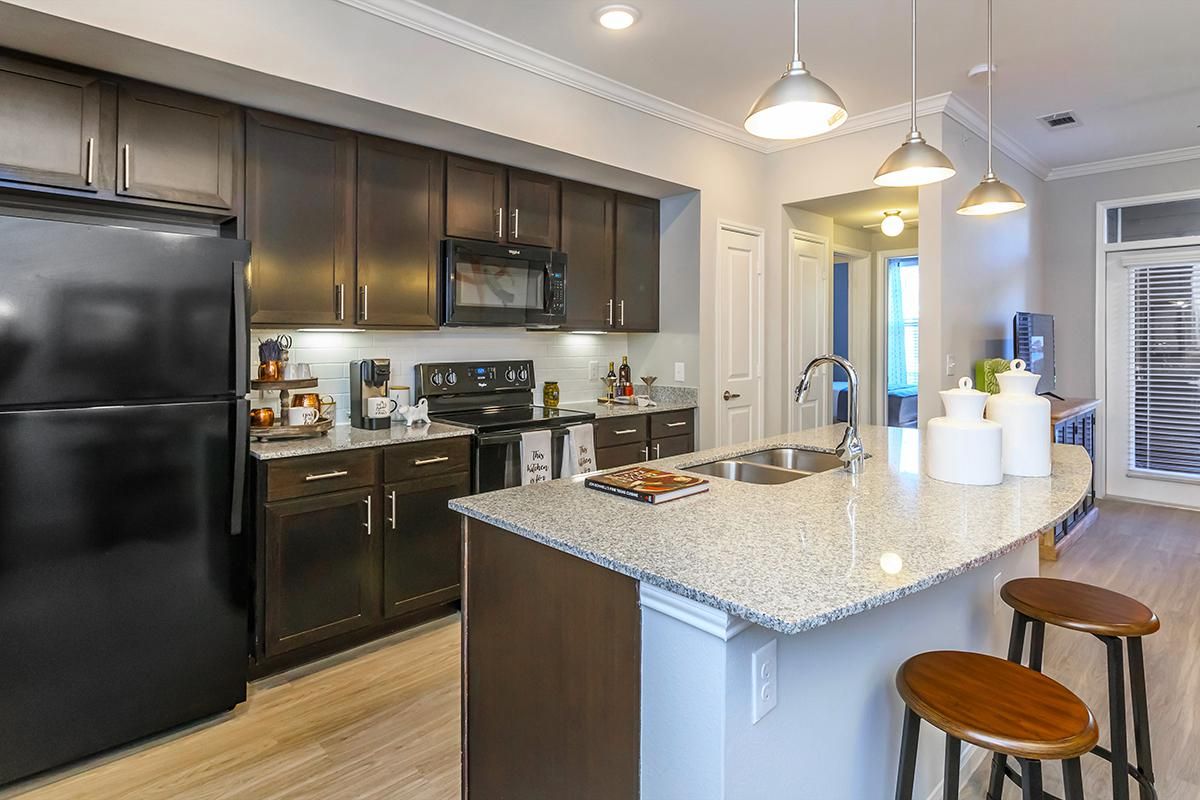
pixel 556 356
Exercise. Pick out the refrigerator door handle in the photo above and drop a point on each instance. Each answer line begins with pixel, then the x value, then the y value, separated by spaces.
pixel 241 449
pixel 241 330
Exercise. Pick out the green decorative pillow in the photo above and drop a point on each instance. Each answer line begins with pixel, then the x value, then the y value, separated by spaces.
pixel 986 371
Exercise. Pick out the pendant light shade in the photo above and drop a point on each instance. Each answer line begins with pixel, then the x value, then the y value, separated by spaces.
pixel 799 104
pixel 992 195
pixel 916 162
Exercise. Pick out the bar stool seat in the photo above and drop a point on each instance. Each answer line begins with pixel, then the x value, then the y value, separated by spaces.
pixel 1080 607
pixel 1001 706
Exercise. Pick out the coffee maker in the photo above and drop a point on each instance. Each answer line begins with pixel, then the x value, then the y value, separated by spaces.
pixel 370 406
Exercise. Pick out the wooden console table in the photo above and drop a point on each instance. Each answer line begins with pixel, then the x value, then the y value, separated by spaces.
pixel 1072 421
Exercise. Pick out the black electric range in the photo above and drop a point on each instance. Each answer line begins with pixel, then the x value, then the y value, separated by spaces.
pixel 495 400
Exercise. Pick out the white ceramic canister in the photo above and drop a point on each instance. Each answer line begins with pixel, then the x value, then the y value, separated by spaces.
pixel 963 447
pixel 1025 418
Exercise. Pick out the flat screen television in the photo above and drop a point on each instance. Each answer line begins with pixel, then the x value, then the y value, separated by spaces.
pixel 1033 343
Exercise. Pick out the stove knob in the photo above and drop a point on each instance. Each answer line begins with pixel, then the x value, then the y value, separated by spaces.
pixel 436 379
pixel 523 374
pixel 510 375
pixel 451 378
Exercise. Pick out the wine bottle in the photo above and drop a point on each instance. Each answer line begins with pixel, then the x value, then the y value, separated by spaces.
pixel 611 380
pixel 625 379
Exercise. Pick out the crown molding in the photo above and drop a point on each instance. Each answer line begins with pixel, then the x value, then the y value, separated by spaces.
pixel 966 115
pixel 1125 162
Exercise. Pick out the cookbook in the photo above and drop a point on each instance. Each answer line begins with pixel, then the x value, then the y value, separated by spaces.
pixel 647 485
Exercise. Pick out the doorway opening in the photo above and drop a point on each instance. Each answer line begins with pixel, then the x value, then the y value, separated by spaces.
pixel 901 273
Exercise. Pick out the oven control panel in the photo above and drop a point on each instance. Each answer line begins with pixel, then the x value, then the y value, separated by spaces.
pixel 473 377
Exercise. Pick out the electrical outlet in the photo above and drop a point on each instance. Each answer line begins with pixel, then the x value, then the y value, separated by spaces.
pixel 997 602
pixel 951 366
pixel 593 370
pixel 765 682
pixel 679 371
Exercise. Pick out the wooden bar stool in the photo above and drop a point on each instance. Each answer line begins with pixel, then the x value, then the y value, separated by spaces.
pixel 1109 617
pixel 997 705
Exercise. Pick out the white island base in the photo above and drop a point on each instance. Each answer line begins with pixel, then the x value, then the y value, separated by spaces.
pixel 835 731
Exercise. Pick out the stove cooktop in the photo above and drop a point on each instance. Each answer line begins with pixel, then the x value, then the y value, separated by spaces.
pixel 512 418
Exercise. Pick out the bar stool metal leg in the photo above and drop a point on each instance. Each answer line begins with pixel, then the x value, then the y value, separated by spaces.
pixel 1031 780
pixel 908 755
pixel 950 779
pixel 1016 648
pixel 1141 715
pixel 1119 744
pixel 1072 780
pixel 1037 645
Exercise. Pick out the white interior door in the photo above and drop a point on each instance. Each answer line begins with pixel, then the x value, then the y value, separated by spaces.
pixel 739 335
pixel 1152 376
pixel 809 336
pixel 862 331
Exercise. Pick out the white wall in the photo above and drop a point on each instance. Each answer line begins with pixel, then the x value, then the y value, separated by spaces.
pixel 1069 243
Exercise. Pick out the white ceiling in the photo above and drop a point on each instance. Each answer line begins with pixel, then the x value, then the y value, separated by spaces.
pixel 1131 70
pixel 859 209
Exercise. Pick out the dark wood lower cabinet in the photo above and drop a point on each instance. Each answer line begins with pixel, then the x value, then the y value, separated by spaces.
pixel 620 455
pixel 672 446
pixel 629 439
pixel 422 548
pixel 320 568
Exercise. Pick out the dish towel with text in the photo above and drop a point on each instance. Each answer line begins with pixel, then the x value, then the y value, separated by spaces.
pixel 579 450
pixel 536 460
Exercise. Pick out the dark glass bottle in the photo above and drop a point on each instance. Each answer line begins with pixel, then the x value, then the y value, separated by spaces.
pixel 611 378
pixel 624 379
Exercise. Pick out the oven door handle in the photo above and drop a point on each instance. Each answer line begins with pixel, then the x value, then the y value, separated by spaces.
pixel 486 439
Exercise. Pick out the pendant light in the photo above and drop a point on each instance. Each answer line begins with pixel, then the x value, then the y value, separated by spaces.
pixel 799 104
pixel 916 162
pixel 991 196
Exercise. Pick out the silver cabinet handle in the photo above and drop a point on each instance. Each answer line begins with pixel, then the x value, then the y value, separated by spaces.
pixel 324 476
pixel 362 291
pixel 622 313
pixel 341 301
pixel 91 160
pixel 679 424
pixel 500 222
pixel 125 179
pixel 730 395
pixel 516 223
pixel 393 518
pixel 420 462
pixel 367 524
pixel 646 453
pixel 624 432
pixel 610 312
pixel 657 450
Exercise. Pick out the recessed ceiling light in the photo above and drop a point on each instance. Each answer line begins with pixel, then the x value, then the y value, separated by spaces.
pixel 617 17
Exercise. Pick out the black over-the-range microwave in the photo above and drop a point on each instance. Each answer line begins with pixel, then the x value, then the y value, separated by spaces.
pixel 496 284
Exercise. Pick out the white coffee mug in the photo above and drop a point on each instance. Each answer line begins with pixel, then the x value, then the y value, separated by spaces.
pixel 302 415
pixel 379 407
pixel 297 371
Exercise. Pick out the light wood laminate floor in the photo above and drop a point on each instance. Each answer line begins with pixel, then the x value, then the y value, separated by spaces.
pixel 384 722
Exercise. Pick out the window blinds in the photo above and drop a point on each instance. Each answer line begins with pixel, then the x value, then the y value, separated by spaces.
pixel 1164 370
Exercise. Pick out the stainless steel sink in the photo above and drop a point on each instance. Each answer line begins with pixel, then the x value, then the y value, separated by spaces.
pixel 778 465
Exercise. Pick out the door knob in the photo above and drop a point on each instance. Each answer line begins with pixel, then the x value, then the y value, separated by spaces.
pixel 730 395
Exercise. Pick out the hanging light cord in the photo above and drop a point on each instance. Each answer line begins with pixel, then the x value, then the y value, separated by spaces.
pixel 795 31
pixel 914 66
pixel 990 67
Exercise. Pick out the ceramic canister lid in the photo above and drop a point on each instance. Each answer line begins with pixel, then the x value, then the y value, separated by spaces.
pixel 964 402
pixel 1017 380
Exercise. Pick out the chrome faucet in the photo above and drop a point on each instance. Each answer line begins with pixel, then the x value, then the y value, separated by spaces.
pixel 850 450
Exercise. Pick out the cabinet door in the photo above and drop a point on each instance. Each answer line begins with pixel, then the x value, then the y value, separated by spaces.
pixel 300 221
pixel 422 549
pixel 321 570
pixel 50 126
pixel 175 147
pixel 533 209
pixel 399 231
pixel 636 264
pixel 619 456
pixel 474 199
pixel 672 446
pixel 588 220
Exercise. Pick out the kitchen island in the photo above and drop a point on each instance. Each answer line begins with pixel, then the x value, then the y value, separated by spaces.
pixel 610 647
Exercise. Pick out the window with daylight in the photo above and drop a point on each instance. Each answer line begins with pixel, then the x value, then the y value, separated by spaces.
pixel 903 309
pixel 1164 370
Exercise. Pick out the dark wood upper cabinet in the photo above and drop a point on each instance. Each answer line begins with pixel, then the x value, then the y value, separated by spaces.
pixel 532 209
pixel 422 542
pixel 321 569
pixel 636 264
pixel 399 231
pixel 176 147
pixel 588 223
pixel 50 129
pixel 474 199
pixel 300 221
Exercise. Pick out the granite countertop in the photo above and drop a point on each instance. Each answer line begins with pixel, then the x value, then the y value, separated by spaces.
pixel 798 555
pixel 345 437
pixel 605 412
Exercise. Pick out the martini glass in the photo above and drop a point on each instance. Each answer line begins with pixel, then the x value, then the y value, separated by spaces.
pixel 609 395
pixel 649 381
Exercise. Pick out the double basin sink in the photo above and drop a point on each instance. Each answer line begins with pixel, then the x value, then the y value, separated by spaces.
pixel 778 465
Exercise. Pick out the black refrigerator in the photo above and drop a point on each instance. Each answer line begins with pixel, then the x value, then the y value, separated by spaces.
pixel 123 446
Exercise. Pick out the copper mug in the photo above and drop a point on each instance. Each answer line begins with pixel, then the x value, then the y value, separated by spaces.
pixel 262 417
pixel 324 405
